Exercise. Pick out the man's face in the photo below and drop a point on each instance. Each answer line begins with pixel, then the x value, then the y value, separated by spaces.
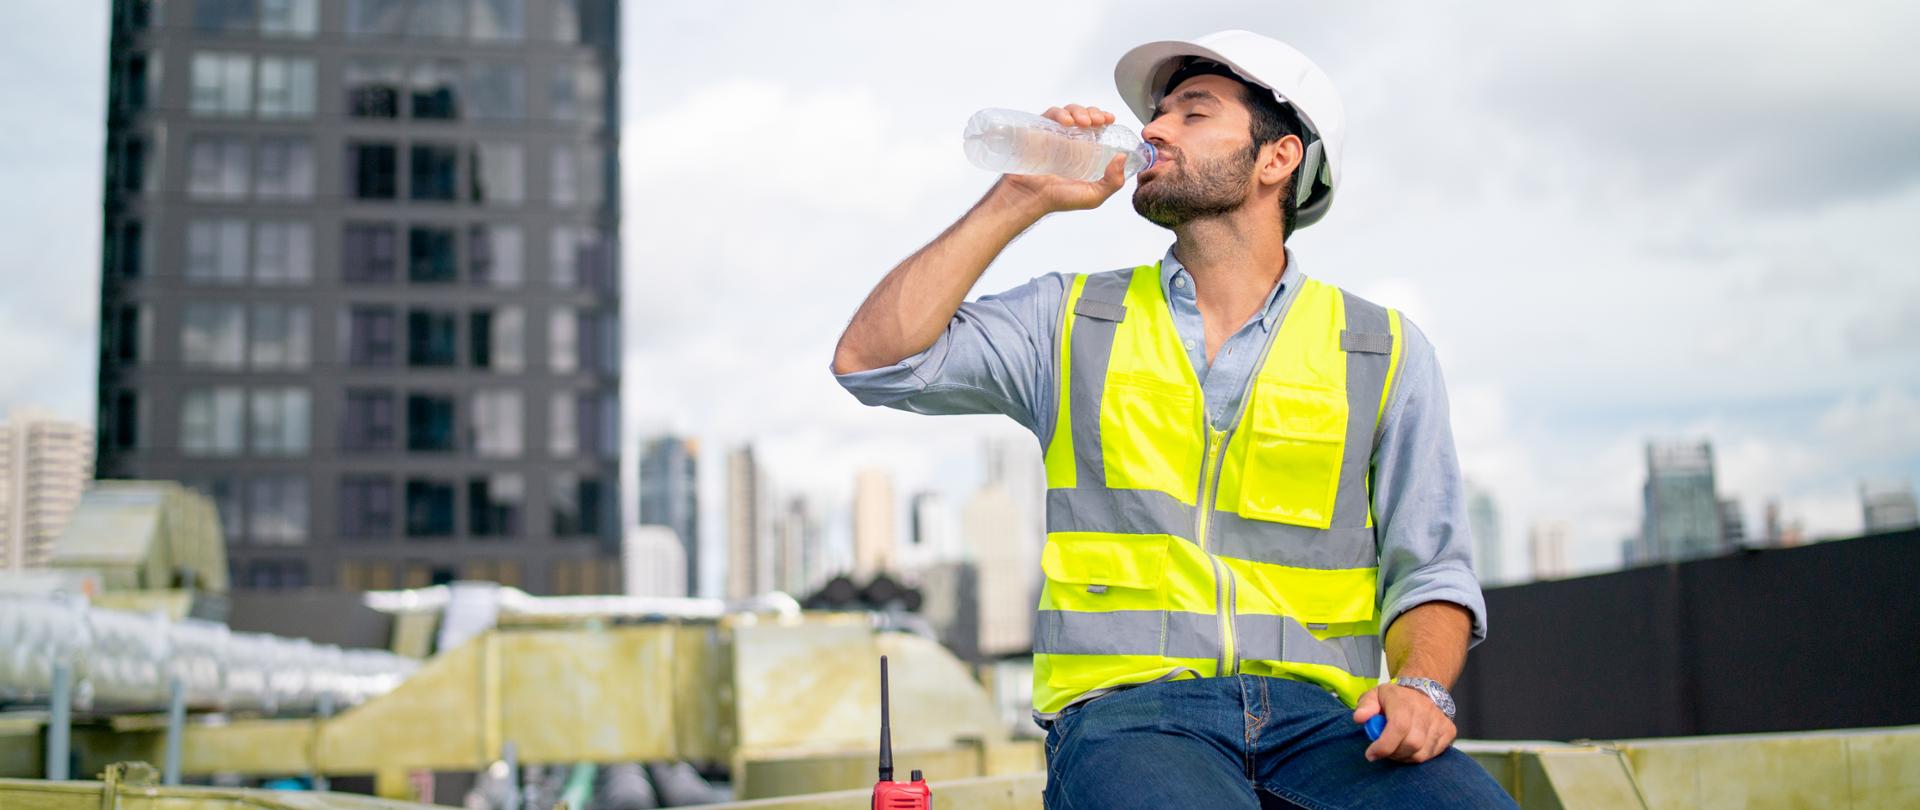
pixel 1207 157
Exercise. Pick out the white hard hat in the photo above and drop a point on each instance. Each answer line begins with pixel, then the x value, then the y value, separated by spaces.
pixel 1294 79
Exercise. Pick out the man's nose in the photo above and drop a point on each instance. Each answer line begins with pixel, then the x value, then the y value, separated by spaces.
pixel 1156 132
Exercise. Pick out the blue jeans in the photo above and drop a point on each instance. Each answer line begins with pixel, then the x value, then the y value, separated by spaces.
pixel 1224 742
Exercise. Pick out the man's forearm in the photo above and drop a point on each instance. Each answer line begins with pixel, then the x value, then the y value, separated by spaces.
pixel 1430 641
pixel 906 312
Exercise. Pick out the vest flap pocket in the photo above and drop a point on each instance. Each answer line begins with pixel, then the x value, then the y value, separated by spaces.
pixel 1296 440
pixel 1104 560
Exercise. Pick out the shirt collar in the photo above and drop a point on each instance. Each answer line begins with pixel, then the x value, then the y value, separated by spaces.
pixel 1170 267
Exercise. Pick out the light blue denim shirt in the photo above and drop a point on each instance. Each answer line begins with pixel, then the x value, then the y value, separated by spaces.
pixel 998 356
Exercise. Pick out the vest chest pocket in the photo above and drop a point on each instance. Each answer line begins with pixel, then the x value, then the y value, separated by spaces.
pixel 1147 435
pixel 1296 437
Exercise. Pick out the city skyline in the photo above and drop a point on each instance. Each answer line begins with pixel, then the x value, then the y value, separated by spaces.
pixel 1782 312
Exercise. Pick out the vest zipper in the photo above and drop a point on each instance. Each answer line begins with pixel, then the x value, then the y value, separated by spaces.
pixel 1223 586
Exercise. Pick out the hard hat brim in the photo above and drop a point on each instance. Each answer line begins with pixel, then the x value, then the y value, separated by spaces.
pixel 1141 72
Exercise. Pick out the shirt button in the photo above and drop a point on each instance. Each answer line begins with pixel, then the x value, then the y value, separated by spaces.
pixel 1179 282
pixel 1189 345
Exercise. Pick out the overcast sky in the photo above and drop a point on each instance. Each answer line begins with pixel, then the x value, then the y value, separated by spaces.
pixel 1616 222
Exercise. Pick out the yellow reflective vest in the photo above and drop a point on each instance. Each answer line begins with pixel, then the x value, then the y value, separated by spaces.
pixel 1175 550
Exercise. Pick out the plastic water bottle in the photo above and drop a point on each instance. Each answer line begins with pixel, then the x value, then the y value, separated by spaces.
pixel 1013 142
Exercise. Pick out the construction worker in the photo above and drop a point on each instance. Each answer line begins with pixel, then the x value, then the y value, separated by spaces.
pixel 1252 494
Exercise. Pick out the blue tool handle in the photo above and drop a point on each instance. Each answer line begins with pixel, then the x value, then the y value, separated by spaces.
pixel 1375 725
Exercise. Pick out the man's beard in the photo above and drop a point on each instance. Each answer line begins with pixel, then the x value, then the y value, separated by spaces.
pixel 1198 190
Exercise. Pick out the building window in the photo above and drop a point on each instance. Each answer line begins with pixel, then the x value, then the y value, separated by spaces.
pixel 127 248
pixel 436 90
pixel 286 169
pixel 224 15
pixel 278 339
pixel 282 253
pixel 369 253
pixel 376 170
pixel 566 21
pixel 375 18
pixel 495 255
pixel 127 164
pixel 493 505
pixel 575 176
pixel 497 423
pixel 128 90
pixel 222 84
pixel 367 422
pixel 125 328
pixel 563 341
pixel 435 170
pixel 432 339
pixel 582 259
pixel 121 422
pixel 272 575
pixel 497 92
pixel 498 339
pixel 373 337
pixel 225 494
pixel 374 87
pixel 366 507
pixel 429 508
pixel 367 575
pixel 286 87
pixel 496 20
pixel 213 335
pixel 217 167
pixel 277 510
pixel 505 572
pixel 296 19
pixel 430 423
pixel 600 342
pixel 430 255
pixel 437 19
pixel 576 93
pixel 563 425
pixel 282 419
pixel 217 251
pixel 597 421
pixel 134 14
pixel 498 173
pixel 576 506
pixel 210 421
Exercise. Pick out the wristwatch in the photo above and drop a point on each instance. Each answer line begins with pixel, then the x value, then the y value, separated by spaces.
pixel 1432 689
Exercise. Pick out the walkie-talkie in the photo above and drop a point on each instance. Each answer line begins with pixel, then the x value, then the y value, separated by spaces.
pixel 888 794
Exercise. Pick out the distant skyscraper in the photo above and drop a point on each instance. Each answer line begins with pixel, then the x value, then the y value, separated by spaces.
pixel 1015 465
pixel 1889 507
pixel 653 562
pixel 359 284
pixel 1733 527
pixel 45 463
pixel 749 569
pixel 874 523
pixel 1547 550
pixel 935 534
pixel 798 552
pixel 1484 521
pixel 1681 517
pixel 993 527
pixel 670 496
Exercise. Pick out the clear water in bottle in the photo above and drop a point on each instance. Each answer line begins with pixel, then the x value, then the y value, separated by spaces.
pixel 1013 142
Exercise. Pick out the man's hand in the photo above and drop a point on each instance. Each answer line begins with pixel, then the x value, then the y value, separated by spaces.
pixel 1416 729
pixel 1044 194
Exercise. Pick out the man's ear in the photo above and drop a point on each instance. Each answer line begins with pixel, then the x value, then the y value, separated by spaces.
pixel 1283 160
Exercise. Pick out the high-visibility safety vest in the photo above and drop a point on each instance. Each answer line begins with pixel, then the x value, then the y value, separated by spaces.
pixel 1176 550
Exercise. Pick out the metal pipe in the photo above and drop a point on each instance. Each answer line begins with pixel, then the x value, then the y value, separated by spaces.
pixel 60 725
pixel 176 729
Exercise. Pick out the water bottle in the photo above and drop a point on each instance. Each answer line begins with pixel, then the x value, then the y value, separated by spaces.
pixel 1013 142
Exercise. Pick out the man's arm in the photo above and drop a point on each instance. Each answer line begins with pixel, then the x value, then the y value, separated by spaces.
pixel 1431 606
pixel 906 312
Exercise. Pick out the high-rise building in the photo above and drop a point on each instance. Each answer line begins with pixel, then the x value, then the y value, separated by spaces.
pixel 874 523
pixel 798 552
pixel 1015 465
pixel 45 463
pixel 670 496
pixel 1733 527
pixel 992 525
pixel 1681 513
pixel 653 562
pixel 360 283
pixel 1547 550
pixel 1888 506
pixel 749 565
pixel 1483 519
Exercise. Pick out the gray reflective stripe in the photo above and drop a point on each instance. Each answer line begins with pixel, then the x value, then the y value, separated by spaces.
pixel 1126 632
pixel 1375 342
pixel 1366 375
pixel 1118 511
pixel 1231 535
pixel 1100 310
pixel 1092 349
pixel 1282 638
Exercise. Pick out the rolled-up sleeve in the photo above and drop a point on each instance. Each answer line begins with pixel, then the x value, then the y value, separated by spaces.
pixel 1419 498
pixel 995 356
